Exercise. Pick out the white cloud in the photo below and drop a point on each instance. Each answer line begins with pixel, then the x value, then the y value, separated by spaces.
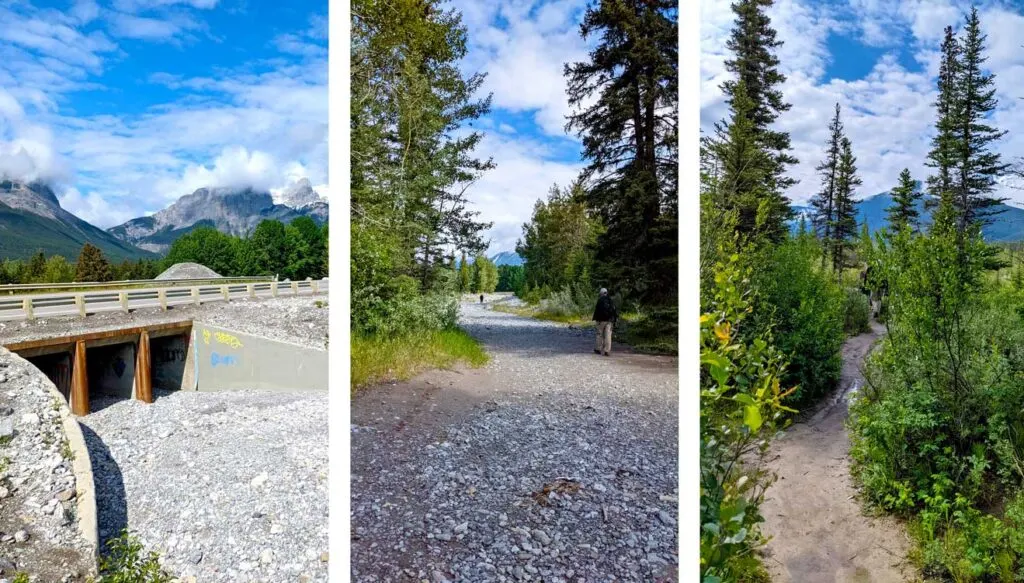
pixel 888 114
pixel 26 149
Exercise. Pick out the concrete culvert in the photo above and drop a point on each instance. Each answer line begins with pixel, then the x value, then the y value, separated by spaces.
pixel 188 271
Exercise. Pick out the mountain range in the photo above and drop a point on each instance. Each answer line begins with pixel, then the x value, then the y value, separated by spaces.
pixel 232 211
pixel 32 220
pixel 1007 224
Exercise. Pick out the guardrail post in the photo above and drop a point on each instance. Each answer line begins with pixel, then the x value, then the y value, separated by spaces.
pixel 80 302
pixel 251 289
pixel 162 296
pixel 224 290
pixel 316 286
pixel 26 304
pixel 295 288
pixel 123 296
pixel 195 295
pixel 79 381
pixel 143 370
pixel 273 289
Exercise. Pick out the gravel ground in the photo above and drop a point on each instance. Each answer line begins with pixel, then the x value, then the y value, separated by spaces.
pixel 551 464
pixel 38 525
pixel 227 486
pixel 296 320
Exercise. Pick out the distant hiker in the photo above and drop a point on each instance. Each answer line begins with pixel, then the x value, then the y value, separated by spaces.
pixel 605 316
pixel 481 298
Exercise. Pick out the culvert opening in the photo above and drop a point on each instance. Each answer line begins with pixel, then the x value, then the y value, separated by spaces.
pixel 96 369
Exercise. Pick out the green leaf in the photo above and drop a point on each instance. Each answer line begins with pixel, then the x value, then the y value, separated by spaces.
pixel 752 418
pixel 737 538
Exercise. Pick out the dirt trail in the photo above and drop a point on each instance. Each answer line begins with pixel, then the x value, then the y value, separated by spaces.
pixel 818 528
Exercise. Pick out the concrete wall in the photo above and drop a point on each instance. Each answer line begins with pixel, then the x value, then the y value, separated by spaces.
pixel 57 368
pixel 227 360
pixel 112 370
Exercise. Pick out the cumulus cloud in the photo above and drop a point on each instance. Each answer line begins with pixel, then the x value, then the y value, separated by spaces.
pixel 888 114
pixel 26 149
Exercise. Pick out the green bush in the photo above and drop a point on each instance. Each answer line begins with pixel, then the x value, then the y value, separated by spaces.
pixel 127 562
pixel 856 312
pixel 802 305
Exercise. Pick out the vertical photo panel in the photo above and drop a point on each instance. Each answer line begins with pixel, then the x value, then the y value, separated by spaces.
pixel 514 318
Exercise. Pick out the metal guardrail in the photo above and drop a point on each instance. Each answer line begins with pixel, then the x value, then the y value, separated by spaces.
pixel 29 307
pixel 153 283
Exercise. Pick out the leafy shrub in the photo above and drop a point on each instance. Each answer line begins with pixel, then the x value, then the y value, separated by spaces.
pixel 802 306
pixel 856 312
pixel 740 409
pixel 126 562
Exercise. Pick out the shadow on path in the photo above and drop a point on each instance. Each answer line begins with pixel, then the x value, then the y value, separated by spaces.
pixel 111 500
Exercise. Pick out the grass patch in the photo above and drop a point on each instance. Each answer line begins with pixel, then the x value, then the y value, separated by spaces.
pixel 541 314
pixel 376 359
pixel 127 562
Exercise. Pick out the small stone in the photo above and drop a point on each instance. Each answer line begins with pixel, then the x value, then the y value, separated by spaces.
pixel 6 427
pixel 4 492
pixel 541 537
pixel 276 529
pixel 197 557
pixel 266 557
pixel 30 419
pixel 65 495
pixel 462 528
pixel 666 518
pixel 259 480
pixel 5 411
pixel 324 556
pixel 20 536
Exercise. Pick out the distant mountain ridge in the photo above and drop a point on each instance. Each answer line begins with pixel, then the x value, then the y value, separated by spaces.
pixel 229 210
pixel 1007 225
pixel 32 220
pixel 507 258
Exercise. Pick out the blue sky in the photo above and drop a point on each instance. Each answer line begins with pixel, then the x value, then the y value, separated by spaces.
pixel 522 45
pixel 878 59
pixel 125 105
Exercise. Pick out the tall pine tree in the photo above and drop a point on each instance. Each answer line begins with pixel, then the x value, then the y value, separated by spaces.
pixel 977 164
pixel 755 65
pixel 942 155
pixel 629 135
pixel 844 226
pixel 824 203
pixel 903 213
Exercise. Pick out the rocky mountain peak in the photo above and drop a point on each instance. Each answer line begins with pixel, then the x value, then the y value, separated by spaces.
pixel 298 195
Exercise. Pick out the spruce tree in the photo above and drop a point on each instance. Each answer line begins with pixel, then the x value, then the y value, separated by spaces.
pixel 755 65
pixel 743 165
pixel 624 98
pixel 844 226
pixel 824 203
pixel 464 274
pixel 942 155
pixel 977 164
pixel 903 213
pixel 92 265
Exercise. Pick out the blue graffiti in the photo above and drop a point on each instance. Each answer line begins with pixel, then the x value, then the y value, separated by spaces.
pixel 222 359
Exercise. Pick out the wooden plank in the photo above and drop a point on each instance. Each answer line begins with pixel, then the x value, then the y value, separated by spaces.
pixel 102 337
pixel 143 370
pixel 79 381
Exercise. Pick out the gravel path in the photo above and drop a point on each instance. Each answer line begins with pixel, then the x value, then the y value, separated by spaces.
pixel 38 524
pixel 816 523
pixel 550 464
pixel 297 320
pixel 228 486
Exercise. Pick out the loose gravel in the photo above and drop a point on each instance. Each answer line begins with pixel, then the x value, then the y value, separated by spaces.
pixel 551 464
pixel 227 486
pixel 300 320
pixel 38 514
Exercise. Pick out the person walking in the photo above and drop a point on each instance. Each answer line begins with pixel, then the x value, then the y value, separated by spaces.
pixel 481 298
pixel 605 316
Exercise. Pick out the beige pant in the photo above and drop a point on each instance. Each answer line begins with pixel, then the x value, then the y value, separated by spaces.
pixel 604 337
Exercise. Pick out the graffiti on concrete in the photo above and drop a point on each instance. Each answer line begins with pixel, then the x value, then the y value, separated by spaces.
pixel 217 359
pixel 228 340
pixel 206 336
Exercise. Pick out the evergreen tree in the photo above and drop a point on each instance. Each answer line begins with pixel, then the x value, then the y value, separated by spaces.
pixel 755 65
pixel 625 101
pixel 35 270
pixel 92 265
pixel 824 203
pixel 844 226
pixel 903 213
pixel 977 165
pixel 743 165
